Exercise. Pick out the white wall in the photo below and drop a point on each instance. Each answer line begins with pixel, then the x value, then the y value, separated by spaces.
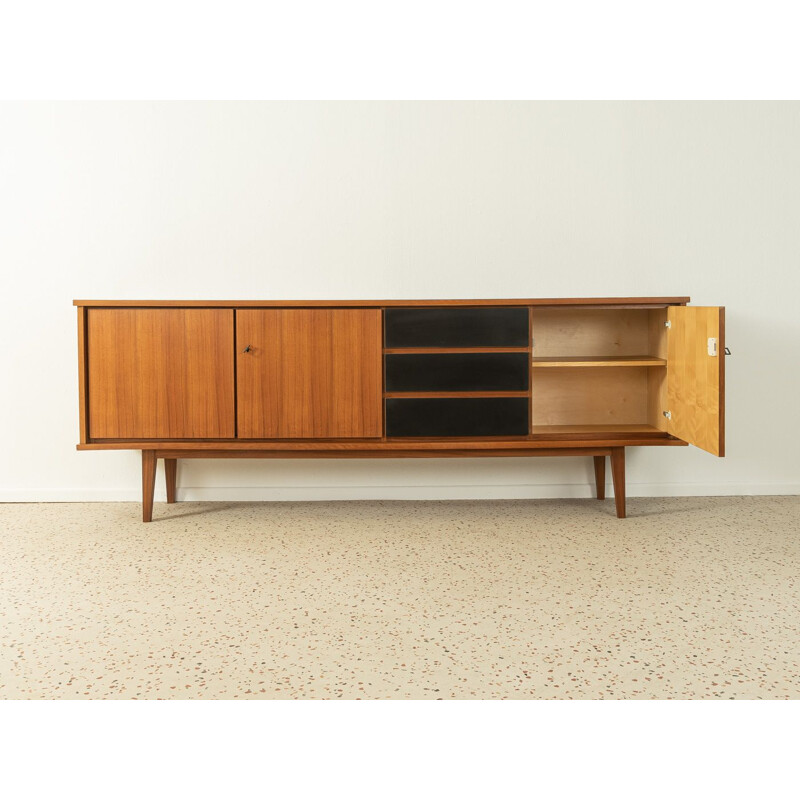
pixel 398 200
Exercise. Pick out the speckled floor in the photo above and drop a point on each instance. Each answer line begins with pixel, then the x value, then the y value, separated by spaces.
pixel 687 598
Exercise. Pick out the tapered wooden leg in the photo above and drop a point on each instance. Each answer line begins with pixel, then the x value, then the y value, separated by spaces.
pixel 618 476
pixel 600 476
pixel 171 472
pixel 148 483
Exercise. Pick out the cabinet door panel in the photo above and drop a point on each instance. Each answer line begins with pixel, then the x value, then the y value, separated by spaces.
pixel 457 327
pixel 457 372
pixel 160 373
pixel 309 373
pixel 696 379
pixel 468 416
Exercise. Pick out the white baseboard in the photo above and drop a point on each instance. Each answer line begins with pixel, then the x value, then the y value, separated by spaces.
pixel 439 492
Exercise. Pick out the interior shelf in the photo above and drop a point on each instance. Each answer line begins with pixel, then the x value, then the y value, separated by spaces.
pixel 600 430
pixel 598 361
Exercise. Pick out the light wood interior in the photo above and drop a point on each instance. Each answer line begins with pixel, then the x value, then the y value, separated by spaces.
pixel 696 379
pixel 593 368
pixel 590 396
pixel 657 378
pixel 598 361
pixel 581 332
pixel 588 430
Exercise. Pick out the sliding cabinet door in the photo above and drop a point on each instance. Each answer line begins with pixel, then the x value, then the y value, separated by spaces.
pixel 160 373
pixel 309 373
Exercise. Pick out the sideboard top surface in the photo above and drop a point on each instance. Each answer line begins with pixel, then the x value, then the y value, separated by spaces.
pixel 551 301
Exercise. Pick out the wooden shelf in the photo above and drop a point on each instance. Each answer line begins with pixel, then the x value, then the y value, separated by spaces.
pixel 598 361
pixel 596 430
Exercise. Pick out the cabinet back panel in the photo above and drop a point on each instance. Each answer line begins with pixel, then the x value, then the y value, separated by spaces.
pixel 456 327
pixel 454 372
pixel 160 373
pixel 591 332
pixel 602 396
pixel 472 416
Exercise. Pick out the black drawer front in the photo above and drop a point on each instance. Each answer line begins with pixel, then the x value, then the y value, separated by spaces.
pixel 468 416
pixel 456 327
pixel 457 372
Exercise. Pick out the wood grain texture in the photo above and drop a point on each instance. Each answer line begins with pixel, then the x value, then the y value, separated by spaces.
pixel 696 380
pixel 149 461
pixel 596 431
pixel 171 477
pixel 581 332
pixel 309 373
pixel 600 476
pixel 657 378
pixel 540 362
pixel 83 393
pixel 590 396
pixel 539 301
pixel 290 448
pixel 657 333
pixel 618 478
pixel 160 373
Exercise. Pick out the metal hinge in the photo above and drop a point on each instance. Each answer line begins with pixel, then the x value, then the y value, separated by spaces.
pixel 667 414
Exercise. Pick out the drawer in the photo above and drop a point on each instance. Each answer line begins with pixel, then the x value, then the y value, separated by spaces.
pixel 456 327
pixel 468 416
pixel 456 372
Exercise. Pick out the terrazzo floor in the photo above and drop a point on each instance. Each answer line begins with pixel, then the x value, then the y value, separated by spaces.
pixel 687 598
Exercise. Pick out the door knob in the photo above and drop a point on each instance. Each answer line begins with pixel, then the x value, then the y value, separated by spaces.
pixel 247 349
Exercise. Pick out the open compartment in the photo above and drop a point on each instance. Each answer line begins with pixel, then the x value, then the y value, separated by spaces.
pixel 599 370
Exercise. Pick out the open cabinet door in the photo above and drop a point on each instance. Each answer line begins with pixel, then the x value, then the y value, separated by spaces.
pixel 696 376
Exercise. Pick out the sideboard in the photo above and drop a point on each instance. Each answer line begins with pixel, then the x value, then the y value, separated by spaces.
pixel 399 379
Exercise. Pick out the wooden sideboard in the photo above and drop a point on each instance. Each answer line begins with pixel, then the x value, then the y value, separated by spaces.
pixel 399 379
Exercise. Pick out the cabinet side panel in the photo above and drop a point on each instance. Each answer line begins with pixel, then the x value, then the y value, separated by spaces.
pixel 722 355
pixel 160 373
pixel 657 402
pixel 83 394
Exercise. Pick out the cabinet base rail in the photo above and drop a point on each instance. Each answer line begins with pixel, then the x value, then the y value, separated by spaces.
pixel 150 459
